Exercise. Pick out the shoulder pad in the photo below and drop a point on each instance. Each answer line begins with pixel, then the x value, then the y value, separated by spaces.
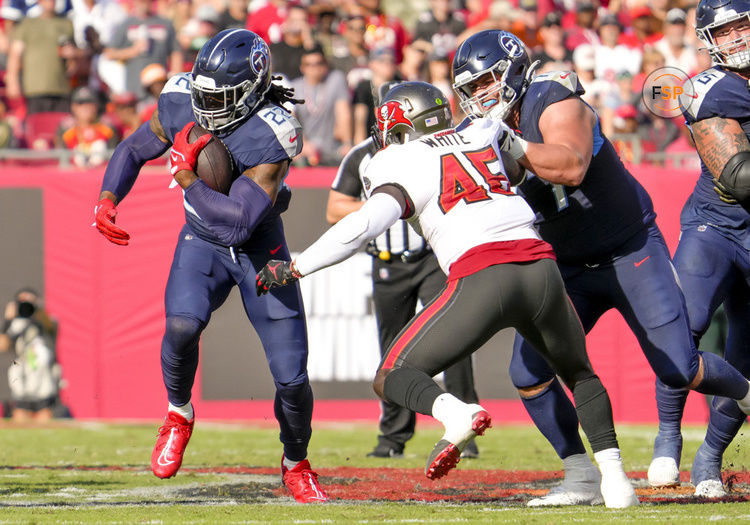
pixel 567 79
pixel 701 106
pixel 177 84
pixel 285 126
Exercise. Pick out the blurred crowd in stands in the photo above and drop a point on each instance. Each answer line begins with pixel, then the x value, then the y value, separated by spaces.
pixel 83 74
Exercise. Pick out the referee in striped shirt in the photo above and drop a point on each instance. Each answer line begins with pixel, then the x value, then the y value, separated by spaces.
pixel 404 270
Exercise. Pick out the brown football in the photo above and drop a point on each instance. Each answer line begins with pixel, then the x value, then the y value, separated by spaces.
pixel 214 165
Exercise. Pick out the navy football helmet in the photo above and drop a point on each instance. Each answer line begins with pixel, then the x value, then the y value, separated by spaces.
pixel 710 16
pixel 231 75
pixel 497 53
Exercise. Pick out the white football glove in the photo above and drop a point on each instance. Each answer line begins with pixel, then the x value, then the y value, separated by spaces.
pixel 509 141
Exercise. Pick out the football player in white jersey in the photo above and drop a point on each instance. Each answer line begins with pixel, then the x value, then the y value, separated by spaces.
pixel 455 188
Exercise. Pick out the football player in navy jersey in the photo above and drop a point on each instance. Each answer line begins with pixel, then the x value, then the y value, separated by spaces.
pixel 600 222
pixel 713 255
pixel 226 238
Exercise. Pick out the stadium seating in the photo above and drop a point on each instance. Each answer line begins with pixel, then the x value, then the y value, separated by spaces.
pixel 40 129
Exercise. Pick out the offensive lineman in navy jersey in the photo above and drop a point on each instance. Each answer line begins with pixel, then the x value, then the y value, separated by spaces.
pixel 600 222
pixel 713 256
pixel 226 238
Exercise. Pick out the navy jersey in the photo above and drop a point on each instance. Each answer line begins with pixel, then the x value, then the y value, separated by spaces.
pixel 271 135
pixel 718 93
pixel 589 222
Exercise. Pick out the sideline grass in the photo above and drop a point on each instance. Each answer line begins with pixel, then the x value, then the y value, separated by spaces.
pixel 133 495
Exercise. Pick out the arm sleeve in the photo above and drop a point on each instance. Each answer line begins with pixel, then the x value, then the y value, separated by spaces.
pixel 232 218
pixel 128 159
pixel 348 235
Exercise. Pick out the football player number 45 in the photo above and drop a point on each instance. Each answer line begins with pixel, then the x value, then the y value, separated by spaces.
pixel 459 184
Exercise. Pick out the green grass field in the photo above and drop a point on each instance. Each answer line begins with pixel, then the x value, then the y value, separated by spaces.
pixel 79 472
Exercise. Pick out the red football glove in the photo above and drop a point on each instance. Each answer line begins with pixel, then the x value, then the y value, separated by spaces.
pixel 105 214
pixel 184 153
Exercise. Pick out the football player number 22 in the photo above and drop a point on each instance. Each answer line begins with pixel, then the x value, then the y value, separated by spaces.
pixel 458 184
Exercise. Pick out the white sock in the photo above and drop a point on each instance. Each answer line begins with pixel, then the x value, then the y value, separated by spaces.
pixel 579 468
pixel 447 407
pixel 608 459
pixel 288 463
pixel 577 461
pixel 185 410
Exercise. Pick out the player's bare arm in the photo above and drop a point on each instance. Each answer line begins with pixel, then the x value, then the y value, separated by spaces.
pixel 718 140
pixel 725 150
pixel 155 124
pixel 340 205
pixel 567 128
pixel 269 177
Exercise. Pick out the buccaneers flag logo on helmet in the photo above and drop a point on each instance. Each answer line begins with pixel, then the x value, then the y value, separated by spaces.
pixel 390 114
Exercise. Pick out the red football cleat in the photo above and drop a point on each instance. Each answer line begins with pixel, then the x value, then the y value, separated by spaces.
pixel 173 437
pixel 302 482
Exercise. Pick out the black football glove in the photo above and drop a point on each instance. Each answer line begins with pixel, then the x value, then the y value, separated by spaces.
pixel 723 193
pixel 275 273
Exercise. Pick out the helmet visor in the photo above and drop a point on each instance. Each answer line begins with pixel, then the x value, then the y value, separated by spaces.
pixel 219 108
pixel 215 99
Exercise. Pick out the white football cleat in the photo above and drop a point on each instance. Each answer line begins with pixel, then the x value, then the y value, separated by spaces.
pixel 706 473
pixel 571 493
pixel 663 472
pixel 617 490
pixel 710 488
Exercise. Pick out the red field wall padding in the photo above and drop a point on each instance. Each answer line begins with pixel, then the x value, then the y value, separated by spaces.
pixel 109 301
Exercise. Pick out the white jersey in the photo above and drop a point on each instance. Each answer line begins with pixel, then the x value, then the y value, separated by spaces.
pixel 458 189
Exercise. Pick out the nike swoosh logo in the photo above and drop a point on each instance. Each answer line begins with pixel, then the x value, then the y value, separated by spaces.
pixel 176 156
pixel 163 459
pixel 638 263
pixel 275 250
pixel 694 95
pixel 565 75
pixel 292 139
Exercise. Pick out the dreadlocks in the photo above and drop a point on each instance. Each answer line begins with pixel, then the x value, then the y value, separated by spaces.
pixel 279 95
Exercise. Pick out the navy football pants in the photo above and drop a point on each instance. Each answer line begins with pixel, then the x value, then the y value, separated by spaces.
pixel 640 283
pixel 713 270
pixel 201 277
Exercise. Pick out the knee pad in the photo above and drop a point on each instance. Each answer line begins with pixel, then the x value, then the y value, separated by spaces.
pixel 675 379
pixel 680 377
pixel 182 332
pixel 299 383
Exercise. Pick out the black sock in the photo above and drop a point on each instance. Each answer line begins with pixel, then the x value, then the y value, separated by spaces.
pixel 595 413
pixel 411 388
